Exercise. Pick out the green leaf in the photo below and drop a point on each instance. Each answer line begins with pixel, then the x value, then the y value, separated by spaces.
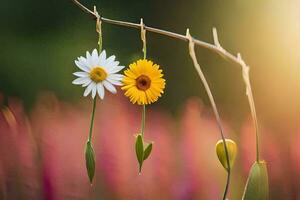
pixel 90 160
pixel 139 150
pixel 147 151
pixel 257 187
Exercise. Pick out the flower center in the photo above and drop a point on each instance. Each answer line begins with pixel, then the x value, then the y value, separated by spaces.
pixel 143 82
pixel 98 74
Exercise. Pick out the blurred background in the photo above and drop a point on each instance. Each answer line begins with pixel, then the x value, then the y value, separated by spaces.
pixel 44 119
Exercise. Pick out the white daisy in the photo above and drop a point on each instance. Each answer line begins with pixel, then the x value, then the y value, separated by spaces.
pixel 98 72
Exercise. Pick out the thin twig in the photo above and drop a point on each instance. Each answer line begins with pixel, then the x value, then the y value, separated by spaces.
pixel 213 104
pixel 143 38
pixel 207 45
pixel 98 29
pixel 85 9
pixel 216 38
pixel 246 77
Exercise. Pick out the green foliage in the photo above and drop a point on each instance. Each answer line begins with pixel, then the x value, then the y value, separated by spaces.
pixel 90 160
pixel 143 150
pixel 257 187
pixel 139 149
pixel 147 151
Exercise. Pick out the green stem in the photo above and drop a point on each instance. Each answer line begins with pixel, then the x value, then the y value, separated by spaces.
pixel 145 51
pixel 92 119
pixel 143 120
pixel 143 37
pixel 100 41
pixel 227 183
pixel 98 29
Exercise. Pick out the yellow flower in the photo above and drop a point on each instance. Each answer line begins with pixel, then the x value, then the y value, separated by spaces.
pixel 143 82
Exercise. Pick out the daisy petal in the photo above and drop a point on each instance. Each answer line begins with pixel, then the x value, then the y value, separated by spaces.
pixel 94 92
pixel 113 64
pixel 81 74
pixel 109 87
pixel 89 89
pixel 89 58
pixel 100 90
pixel 114 82
pixel 102 57
pixel 109 66
pixel 110 60
pixel 95 58
pixel 84 61
pixel 116 69
pixel 87 83
pixel 81 80
pixel 81 66
pixel 117 77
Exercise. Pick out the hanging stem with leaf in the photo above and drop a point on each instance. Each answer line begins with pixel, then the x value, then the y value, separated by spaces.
pixel 143 149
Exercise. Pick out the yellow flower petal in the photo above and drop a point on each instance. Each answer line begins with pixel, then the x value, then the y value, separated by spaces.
pixel 143 82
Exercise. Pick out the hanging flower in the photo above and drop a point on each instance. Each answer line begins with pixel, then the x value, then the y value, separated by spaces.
pixel 98 72
pixel 143 82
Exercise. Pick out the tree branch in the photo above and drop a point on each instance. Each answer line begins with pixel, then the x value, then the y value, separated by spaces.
pixel 154 30
pixel 216 47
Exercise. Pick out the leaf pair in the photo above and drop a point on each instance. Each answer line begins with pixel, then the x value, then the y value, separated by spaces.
pixel 90 160
pixel 142 149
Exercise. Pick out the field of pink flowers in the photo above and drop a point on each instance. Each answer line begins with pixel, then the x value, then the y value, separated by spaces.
pixel 42 153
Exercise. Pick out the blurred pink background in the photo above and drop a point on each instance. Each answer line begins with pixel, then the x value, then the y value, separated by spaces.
pixel 42 153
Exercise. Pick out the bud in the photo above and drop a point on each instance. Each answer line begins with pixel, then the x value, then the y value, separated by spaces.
pixel 232 151
pixel 257 187
pixel 90 160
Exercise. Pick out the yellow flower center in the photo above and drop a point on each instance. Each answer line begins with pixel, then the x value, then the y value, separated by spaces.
pixel 143 82
pixel 98 74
